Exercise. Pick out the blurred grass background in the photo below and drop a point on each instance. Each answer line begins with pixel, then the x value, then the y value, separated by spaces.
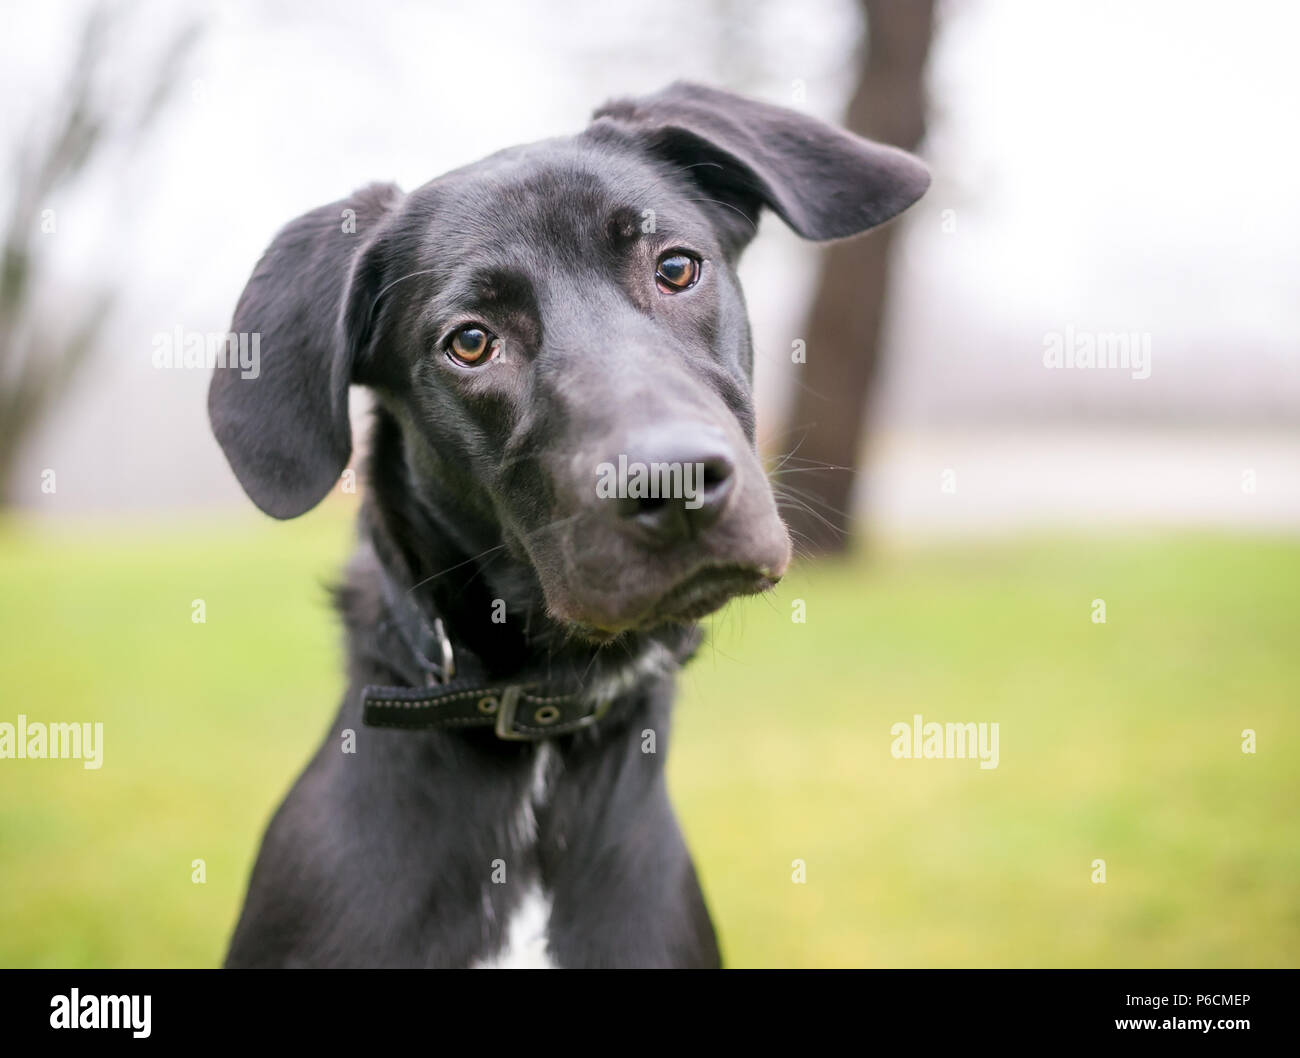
pixel 1119 742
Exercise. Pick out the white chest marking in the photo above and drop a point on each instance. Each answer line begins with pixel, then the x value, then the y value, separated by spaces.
pixel 525 943
pixel 525 946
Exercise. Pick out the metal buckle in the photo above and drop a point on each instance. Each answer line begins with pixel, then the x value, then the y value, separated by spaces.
pixel 506 714
pixel 444 645
pixel 510 704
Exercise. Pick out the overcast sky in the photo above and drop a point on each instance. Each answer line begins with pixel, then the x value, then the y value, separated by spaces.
pixel 1105 166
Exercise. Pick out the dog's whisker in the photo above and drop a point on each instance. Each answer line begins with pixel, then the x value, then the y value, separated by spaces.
pixel 735 209
pixel 771 439
pixel 795 503
pixel 385 289
pixel 838 530
pixel 557 523
pixel 802 544
pixel 452 569
pixel 698 165
pixel 793 493
pixel 595 654
pixel 809 469
pixel 816 462
pixel 798 444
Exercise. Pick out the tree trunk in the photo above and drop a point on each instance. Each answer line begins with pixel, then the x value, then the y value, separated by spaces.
pixel 828 420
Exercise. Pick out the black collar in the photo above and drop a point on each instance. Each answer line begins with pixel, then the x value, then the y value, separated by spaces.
pixel 456 693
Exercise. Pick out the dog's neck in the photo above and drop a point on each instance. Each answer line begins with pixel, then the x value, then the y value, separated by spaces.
pixel 444 559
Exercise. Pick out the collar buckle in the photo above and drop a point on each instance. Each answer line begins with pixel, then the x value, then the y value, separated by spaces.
pixel 508 706
pixel 448 668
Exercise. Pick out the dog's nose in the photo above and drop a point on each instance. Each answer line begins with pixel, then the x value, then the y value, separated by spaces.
pixel 673 481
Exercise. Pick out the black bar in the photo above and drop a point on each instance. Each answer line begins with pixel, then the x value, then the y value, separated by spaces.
pixel 918 1007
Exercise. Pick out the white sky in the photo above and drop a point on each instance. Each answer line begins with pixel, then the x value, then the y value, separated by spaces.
pixel 1115 166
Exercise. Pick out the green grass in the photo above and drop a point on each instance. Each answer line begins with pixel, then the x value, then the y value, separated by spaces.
pixel 1119 742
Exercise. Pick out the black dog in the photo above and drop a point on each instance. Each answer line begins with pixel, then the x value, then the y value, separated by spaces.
pixel 492 791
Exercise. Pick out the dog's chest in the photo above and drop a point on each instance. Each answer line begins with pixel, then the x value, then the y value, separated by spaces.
pixel 524 938
pixel 526 944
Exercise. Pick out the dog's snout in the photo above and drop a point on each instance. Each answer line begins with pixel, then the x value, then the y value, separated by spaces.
pixel 674 481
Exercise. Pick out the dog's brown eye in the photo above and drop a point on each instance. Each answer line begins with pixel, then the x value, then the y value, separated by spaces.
pixel 677 271
pixel 472 345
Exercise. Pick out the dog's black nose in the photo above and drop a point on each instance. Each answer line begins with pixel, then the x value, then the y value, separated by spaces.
pixel 671 482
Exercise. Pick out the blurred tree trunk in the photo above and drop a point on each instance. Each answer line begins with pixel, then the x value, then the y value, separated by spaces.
pixel 843 329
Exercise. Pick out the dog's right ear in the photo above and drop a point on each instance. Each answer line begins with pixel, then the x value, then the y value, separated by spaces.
pixel 283 423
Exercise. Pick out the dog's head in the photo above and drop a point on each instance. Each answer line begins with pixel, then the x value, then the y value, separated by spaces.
pixel 560 335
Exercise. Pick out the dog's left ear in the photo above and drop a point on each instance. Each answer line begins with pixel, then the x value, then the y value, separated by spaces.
pixel 823 182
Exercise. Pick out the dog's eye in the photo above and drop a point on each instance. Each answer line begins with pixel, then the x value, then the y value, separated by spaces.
pixel 677 271
pixel 473 345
